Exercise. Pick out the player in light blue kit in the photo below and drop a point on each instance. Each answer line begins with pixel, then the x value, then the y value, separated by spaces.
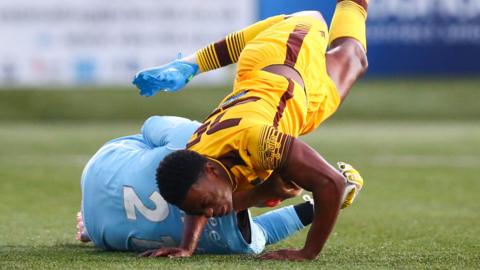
pixel 123 210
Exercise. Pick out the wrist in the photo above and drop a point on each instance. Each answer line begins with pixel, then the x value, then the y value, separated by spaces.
pixel 309 253
pixel 188 247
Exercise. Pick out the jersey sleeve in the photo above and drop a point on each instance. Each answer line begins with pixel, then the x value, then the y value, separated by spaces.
pixel 267 148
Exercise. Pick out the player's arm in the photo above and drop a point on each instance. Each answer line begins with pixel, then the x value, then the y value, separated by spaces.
pixel 346 58
pixel 175 75
pixel 192 230
pixel 311 172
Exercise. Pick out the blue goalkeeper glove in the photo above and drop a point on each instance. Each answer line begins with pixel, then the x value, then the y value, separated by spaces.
pixel 170 77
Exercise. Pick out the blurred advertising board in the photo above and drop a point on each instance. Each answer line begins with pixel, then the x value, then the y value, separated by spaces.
pixel 62 42
pixel 410 37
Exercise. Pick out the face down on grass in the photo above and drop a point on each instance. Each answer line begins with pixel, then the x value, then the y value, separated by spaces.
pixel 211 194
pixel 196 184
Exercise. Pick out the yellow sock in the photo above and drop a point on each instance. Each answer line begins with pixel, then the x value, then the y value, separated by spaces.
pixel 349 21
pixel 227 51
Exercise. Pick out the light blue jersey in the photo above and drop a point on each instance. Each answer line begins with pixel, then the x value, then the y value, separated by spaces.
pixel 123 210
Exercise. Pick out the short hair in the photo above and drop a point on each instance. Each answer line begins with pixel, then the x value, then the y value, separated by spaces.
pixel 176 174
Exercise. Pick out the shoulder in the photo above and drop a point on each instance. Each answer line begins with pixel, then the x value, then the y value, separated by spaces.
pixel 168 131
pixel 267 146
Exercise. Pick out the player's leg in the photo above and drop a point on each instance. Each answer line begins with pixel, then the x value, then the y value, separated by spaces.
pixel 346 59
pixel 227 50
pixel 281 223
pixel 175 75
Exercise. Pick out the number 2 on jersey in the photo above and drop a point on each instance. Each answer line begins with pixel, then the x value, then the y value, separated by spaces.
pixel 133 203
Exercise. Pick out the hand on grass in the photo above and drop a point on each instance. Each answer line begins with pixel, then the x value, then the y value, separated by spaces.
pixel 286 255
pixel 167 252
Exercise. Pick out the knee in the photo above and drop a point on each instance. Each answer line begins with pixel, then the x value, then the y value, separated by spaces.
pixel 351 53
pixel 357 53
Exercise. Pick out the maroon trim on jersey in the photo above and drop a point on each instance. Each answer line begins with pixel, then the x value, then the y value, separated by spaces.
pixel 237 43
pixel 362 3
pixel 240 101
pixel 281 139
pixel 199 132
pixel 222 53
pixel 233 103
pixel 288 94
pixel 294 43
pixel 286 141
pixel 218 125
pixel 208 56
pixel 223 125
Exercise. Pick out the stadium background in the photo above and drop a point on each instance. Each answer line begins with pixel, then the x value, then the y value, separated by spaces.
pixel 411 127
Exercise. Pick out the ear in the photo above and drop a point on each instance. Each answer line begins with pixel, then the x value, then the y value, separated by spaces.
pixel 210 168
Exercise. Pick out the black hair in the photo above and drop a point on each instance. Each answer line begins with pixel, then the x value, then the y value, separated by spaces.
pixel 177 173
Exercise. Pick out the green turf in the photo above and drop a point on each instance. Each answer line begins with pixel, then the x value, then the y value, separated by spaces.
pixel 419 208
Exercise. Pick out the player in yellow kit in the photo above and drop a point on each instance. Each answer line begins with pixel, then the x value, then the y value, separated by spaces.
pixel 246 151
pixel 264 107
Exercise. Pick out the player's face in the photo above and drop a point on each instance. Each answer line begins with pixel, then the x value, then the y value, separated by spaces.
pixel 210 196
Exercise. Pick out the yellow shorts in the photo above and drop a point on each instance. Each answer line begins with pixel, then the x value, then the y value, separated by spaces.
pixel 300 42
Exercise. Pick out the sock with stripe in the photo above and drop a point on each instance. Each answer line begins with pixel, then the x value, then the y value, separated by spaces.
pixel 349 21
pixel 227 51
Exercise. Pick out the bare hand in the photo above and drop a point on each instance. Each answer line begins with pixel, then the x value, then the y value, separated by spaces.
pixel 167 252
pixel 286 255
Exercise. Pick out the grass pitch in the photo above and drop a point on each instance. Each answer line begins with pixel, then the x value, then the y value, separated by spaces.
pixel 419 207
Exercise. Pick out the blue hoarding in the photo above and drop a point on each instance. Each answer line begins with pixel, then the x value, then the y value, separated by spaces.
pixel 411 37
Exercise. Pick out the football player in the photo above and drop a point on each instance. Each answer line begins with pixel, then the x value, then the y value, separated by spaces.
pixel 123 210
pixel 292 75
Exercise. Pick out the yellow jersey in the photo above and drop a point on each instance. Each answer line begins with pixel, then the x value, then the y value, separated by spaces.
pixel 251 130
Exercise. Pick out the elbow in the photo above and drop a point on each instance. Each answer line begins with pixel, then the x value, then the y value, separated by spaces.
pixel 332 189
pixel 356 58
pixel 350 54
pixel 338 185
